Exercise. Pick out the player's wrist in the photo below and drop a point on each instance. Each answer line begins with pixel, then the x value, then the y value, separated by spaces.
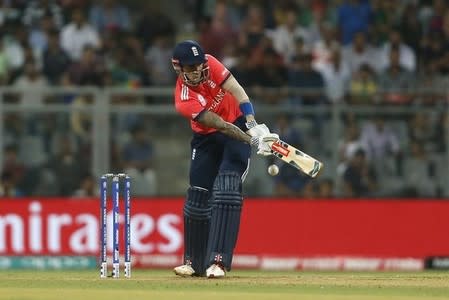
pixel 250 123
pixel 247 109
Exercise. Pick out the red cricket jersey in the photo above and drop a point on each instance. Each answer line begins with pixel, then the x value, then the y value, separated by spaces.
pixel 191 100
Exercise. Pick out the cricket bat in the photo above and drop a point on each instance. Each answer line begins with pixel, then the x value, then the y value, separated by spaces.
pixel 296 158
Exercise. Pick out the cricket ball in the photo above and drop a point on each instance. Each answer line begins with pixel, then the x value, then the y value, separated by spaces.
pixel 273 170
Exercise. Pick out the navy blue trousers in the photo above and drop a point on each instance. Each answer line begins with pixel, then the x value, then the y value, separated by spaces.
pixel 217 152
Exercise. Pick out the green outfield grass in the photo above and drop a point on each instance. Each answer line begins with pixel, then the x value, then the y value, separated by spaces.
pixel 260 285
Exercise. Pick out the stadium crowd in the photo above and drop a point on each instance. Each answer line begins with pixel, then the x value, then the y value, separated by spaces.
pixel 354 52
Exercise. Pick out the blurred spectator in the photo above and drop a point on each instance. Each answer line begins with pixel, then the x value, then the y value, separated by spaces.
pixel 89 70
pixel 336 75
pixel 109 15
pixel 302 75
pixel 214 37
pixel 230 54
pixel 435 22
pixel 81 119
pixel 310 190
pixel 381 140
pixel 135 57
pixel 121 73
pixel 125 121
pixel 384 17
pixel 38 36
pixel 430 87
pixel 74 4
pixel 353 16
pixel 351 143
pixel 441 62
pixel 363 87
pixel 301 48
pixel 137 157
pixel 12 165
pixel 287 132
pixel 325 188
pixel 36 10
pixel 242 70
pixel 54 59
pixel 158 59
pixel 31 81
pixel 441 133
pixel 431 49
pixel 419 173
pixel 347 148
pixel 359 53
pixel 236 11
pixel 271 74
pixel 395 81
pixel 8 187
pixel 411 27
pixel 68 167
pixel 422 131
pixel 323 48
pixel 258 52
pixel 359 177
pixel 10 13
pixel 78 34
pixel 407 58
pixel 253 27
pixel 315 24
pixel 88 187
pixel 15 53
pixel 285 35
pixel 153 23
pixel 4 64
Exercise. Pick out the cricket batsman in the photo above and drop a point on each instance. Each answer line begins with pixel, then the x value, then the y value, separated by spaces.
pixel 224 129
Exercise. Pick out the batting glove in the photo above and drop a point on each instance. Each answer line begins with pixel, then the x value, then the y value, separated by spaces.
pixel 263 143
pixel 257 129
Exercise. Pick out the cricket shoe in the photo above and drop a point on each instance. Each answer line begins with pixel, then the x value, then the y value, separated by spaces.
pixel 184 270
pixel 215 271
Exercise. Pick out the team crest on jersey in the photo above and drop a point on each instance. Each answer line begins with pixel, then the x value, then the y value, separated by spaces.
pixel 212 84
pixel 202 100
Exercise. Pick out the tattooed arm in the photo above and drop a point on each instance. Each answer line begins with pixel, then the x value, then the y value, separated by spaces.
pixel 211 119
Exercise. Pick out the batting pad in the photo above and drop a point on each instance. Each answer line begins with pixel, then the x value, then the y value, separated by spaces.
pixel 197 213
pixel 225 222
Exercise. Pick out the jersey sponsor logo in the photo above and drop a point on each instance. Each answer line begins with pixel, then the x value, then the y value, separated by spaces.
pixel 195 51
pixel 217 100
pixel 184 93
pixel 202 100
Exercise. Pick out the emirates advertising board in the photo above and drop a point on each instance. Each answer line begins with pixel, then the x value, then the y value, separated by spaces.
pixel 275 233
